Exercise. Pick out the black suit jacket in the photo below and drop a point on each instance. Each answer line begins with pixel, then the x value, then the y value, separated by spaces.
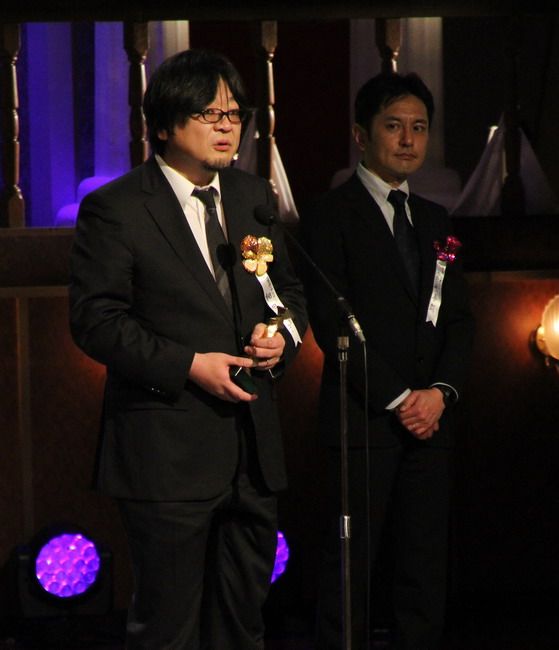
pixel 348 237
pixel 143 302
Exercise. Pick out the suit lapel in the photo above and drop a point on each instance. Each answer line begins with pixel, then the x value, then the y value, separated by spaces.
pixel 364 204
pixel 239 224
pixel 165 210
pixel 425 237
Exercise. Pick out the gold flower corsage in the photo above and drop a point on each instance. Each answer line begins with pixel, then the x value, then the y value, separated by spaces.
pixel 257 253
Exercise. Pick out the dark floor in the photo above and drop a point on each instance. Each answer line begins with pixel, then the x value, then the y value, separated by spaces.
pixel 484 630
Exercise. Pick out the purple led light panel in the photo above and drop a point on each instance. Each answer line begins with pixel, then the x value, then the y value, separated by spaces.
pixel 67 565
pixel 282 556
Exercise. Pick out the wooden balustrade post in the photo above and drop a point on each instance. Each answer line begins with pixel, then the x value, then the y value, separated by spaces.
pixel 388 38
pixel 512 197
pixel 12 205
pixel 265 117
pixel 136 44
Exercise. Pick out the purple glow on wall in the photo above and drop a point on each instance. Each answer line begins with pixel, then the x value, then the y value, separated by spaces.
pixel 51 124
pixel 112 131
pixel 67 565
pixel 282 557
pixel 69 134
pixel 67 215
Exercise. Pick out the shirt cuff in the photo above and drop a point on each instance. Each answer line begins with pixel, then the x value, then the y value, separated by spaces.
pixel 396 402
pixel 442 383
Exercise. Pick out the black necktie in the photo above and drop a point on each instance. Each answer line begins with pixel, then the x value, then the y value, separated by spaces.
pixel 217 244
pixel 404 236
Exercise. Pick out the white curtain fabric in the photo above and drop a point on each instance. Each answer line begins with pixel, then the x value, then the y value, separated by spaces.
pixel 247 161
pixel 481 195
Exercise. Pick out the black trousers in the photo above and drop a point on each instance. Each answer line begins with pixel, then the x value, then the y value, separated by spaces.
pixel 202 569
pixel 410 485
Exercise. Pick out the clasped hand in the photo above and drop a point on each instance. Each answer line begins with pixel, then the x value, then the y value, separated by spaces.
pixel 420 412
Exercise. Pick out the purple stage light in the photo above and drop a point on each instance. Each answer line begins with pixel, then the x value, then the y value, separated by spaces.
pixel 282 556
pixel 67 565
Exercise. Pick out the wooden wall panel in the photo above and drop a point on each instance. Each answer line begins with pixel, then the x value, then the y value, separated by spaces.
pixel 66 393
pixel 50 402
pixel 10 451
pixel 506 519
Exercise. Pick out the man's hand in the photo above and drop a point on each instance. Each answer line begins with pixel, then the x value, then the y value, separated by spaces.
pixel 265 351
pixel 211 372
pixel 420 412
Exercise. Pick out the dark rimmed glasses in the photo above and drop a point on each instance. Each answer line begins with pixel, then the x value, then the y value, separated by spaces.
pixel 215 115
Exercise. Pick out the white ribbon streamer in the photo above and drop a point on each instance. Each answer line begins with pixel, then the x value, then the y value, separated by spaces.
pixel 436 294
pixel 273 301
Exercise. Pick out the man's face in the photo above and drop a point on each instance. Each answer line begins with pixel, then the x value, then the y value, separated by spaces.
pixel 396 142
pixel 197 149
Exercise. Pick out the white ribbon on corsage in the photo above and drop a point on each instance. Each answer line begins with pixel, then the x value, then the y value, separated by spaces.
pixel 445 255
pixel 257 253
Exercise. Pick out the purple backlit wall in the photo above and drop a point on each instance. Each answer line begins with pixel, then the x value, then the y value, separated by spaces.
pixel 74 113
pixel 49 166
pixel 68 135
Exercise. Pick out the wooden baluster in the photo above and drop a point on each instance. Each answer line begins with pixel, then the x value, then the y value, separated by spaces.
pixel 388 40
pixel 512 197
pixel 12 205
pixel 136 44
pixel 266 118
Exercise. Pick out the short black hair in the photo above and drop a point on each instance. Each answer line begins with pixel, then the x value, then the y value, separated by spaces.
pixel 384 89
pixel 184 84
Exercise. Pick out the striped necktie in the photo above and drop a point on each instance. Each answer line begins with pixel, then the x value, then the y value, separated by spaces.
pixel 217 244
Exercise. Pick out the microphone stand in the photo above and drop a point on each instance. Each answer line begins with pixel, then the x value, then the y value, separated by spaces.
pixel 263 215
pixel 345 516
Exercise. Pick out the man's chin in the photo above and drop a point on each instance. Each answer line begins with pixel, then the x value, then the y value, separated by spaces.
pixel 216 165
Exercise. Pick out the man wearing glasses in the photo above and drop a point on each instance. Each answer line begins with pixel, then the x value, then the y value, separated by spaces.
pixel 159 295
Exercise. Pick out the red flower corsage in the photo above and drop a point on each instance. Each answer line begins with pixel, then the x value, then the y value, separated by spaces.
pixel 448 252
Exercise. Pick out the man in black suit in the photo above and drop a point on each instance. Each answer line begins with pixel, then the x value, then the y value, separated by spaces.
pixel 392 256
pixel 159 295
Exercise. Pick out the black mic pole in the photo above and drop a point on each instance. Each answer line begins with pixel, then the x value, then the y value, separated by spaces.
pixel 345 516
pixel 264 215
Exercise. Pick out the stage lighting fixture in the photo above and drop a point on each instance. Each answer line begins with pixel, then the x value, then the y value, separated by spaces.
pixel 64 571
pixel 546 337
pixel 67 565
pixel 282 557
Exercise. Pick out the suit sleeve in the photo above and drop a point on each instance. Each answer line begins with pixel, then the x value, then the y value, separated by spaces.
pixel 457 322
pixel 403 351
pixel 329 244
pixel 102 318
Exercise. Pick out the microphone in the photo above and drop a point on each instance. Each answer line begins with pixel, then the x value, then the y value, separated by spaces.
pixel 266 216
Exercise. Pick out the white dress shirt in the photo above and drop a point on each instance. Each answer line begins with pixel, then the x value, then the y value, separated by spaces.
pixel 194 209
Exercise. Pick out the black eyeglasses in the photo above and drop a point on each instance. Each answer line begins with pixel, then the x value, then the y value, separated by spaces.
pixel 215 115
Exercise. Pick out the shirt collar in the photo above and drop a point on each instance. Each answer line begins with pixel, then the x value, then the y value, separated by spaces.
pixel 378 188
pixel 181 186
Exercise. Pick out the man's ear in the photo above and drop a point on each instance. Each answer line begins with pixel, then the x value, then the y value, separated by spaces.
pixel 163 135
pixel 360 136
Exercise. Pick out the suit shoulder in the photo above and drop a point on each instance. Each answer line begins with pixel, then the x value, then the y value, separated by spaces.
pixel 238 176
pixel 427 205
pixel 333 203
pixel 118 192
pixel 121 183
pixel 119 201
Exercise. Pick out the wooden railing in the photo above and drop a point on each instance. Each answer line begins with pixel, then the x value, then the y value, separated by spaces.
pixel 388 37
pixel 12 206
